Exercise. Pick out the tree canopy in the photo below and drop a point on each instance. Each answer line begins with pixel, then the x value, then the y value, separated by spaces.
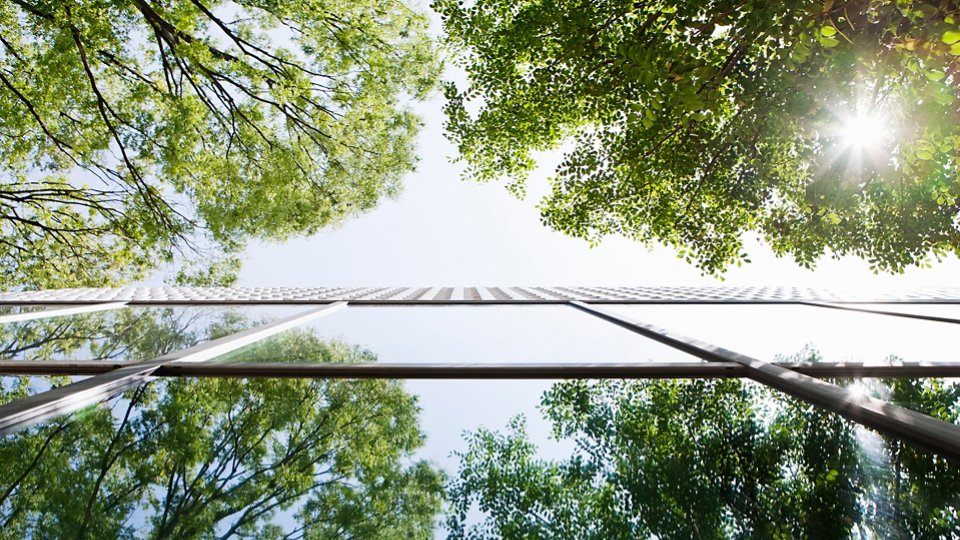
pixel 706 459
pixel 134 133
pixel 822 127
pixel 219 458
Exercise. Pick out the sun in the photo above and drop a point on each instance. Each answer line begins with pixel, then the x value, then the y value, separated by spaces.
pixel 863 131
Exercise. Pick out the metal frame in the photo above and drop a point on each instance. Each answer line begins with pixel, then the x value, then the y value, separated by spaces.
pixel 488 370
pixel 477 295
pixel 794 379
pixel 905 315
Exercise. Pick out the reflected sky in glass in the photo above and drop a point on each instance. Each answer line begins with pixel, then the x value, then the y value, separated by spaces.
pixel 768 331
pixel 483 334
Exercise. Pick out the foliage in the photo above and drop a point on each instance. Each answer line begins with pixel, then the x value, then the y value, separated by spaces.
pixel 135 132
pixel 694 123
pixel 125 334
pixel 704 459
pixel 218 458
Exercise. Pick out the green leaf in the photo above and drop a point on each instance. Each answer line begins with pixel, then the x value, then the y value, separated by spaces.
pixel 759 137
pixel 951 36
pixel 204 173
pixel 828 42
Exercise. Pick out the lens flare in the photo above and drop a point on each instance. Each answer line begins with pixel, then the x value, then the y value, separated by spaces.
pixel 863 131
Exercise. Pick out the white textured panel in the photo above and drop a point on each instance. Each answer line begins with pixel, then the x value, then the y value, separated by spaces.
pixel 213 295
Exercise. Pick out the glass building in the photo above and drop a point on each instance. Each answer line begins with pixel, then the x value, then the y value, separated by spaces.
pixel 254 412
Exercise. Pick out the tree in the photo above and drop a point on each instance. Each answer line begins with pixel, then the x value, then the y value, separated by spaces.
pixel 133 133
pixel 704 459
pixel 218 458
pixel 823 127
pixel 128 334
pixel 915 496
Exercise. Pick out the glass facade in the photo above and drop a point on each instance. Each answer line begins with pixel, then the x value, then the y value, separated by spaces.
pixel 355 418
pixel 461 334
pixel 801 333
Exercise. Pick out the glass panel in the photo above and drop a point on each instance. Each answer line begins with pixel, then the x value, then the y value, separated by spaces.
pixel 129 334
pixel 665 458
pixel 13 387
pixel 439 334
pixel 13 310
pixel 697 459
pixel 804 333
pixel 647 459
pixel 950 311
pixel 189 458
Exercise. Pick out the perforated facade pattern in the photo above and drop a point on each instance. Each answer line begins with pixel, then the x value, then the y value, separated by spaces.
pixel 720 294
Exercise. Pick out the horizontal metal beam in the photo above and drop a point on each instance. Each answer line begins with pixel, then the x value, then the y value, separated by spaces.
pixel 844 307
pixel 55 312
pixel 390 370
pixel 526 370
pixel 23 413
pixel 480 302
pixel 920 429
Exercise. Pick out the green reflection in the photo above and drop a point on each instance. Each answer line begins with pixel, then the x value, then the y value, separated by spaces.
pixel 139 333
pixel 297 345
pixel 129 334
pixel 13 387
pixel 707 459
pixel 9 309
pixel 217 458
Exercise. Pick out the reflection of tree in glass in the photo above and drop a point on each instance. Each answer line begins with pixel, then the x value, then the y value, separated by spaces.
pixel 125 334
pixel 913 494
pixel 706 459
pixel 121 335
pixel 258 458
